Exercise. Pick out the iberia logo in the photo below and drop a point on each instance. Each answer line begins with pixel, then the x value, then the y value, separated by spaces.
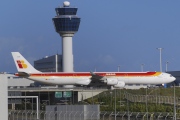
pixel 21 64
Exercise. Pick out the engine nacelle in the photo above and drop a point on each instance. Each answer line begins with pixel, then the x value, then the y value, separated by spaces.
pixel 120 84
pixel 83 82
pixel 112 81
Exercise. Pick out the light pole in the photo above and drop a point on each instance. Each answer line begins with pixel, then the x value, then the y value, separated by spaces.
pixel 142 66
pixel 115 103
pixel 160 50
pixel 174 103
pixel 167 66
pixel 111 97
pixel 115 98
pixel 25 104
pixel 146 103
pixel 119 89
pixel 118 68
pixel 128 106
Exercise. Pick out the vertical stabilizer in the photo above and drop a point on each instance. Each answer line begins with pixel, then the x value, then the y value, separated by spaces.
pixel 22 64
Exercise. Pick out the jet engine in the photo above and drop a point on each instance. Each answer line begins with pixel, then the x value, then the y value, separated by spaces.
pixel 83 82
pixel 112 81
pixel 120 84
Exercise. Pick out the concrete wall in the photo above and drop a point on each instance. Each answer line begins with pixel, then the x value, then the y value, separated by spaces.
pixel 17 81
pixel 72 112
pixel 4 97
pixel 85 95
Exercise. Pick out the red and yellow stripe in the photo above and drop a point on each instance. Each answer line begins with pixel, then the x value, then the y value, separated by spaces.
pixel 87 74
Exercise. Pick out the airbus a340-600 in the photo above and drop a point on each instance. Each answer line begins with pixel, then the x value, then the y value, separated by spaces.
pixel 114 79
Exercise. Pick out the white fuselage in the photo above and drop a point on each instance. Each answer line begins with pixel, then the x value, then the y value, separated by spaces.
pixel 85 80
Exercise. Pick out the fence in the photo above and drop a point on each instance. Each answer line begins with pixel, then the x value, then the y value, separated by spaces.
pixel 90 115
pixel 151 99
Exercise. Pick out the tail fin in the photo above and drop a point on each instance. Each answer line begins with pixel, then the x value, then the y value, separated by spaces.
pixel 22 64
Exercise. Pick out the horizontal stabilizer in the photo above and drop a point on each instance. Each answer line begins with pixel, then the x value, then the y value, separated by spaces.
pixel 22 74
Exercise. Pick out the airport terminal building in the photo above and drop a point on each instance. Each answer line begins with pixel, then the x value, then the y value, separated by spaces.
pixel 49 64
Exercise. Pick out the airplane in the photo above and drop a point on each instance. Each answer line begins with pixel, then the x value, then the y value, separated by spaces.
pixel 112 79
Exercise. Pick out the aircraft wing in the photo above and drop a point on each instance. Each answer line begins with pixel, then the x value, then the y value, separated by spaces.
pixel 97 80
pixel 97 77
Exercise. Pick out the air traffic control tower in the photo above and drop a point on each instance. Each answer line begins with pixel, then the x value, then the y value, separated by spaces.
pixel 66 24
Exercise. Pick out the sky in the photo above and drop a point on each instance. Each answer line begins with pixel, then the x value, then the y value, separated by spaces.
pixel 123 33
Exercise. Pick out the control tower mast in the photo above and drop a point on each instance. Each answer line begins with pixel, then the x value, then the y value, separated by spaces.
pixel 66 24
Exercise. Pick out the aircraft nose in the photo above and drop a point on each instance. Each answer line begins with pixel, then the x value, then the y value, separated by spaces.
pixel 173 79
